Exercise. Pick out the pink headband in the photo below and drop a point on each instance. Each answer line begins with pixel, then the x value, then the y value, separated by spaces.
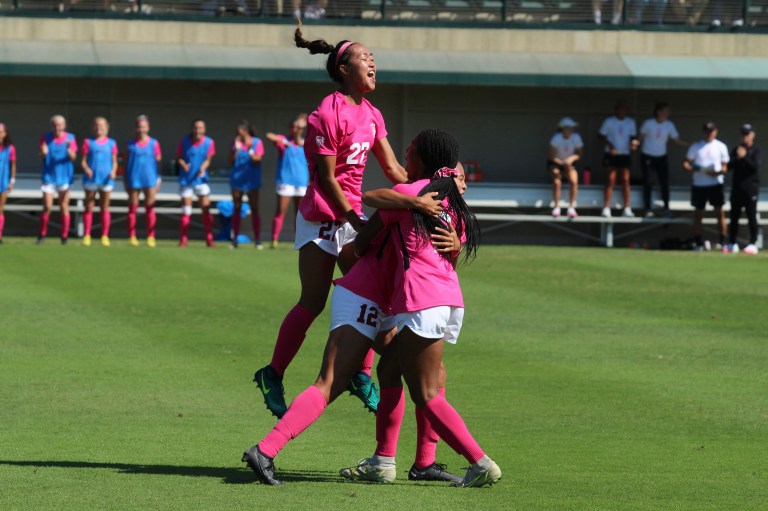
pixel 342 50
pixel 445 172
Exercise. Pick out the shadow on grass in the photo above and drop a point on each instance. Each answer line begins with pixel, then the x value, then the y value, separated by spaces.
pixel 227 475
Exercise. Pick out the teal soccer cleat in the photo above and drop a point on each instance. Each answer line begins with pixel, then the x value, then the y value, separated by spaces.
pixel 363 387
pixel 271 386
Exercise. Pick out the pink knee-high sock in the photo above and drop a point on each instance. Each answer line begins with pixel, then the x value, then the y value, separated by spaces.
pixel 208 224
pixel 291 336
pixel 151 220
pixel 65 226
pixel 277 226
pixel 184 225
pixel 235 225
pixel 450 426
pixel 256 223
pixel 368 362
pixel 132 220
pixel 389 418
pixel 426 438
pixel 44 218
pixel 87 222
pixel 106 222
pixel 304 410
pixel 2 224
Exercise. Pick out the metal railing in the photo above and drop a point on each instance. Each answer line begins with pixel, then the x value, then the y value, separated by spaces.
pixel 713 14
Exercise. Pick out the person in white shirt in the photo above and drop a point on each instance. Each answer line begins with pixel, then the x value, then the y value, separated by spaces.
pixel 619 134
pixel 707 160
pixel 654 135
pixel 565 148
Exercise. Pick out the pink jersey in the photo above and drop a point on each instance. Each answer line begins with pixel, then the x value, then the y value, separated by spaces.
pixel 348 132
pixel 423 278
pixel 371 276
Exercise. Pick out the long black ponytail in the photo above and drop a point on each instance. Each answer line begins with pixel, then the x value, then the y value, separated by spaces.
pixel 324 47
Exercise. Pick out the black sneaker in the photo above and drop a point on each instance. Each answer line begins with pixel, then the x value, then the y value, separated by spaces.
pixel 434 472
pixel 64 241
pixel 40 240
pixel 262 465
pixel 234 244
pixel 271 386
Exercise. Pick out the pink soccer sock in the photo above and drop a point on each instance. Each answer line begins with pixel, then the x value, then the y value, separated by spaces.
pixel 389 418
pixel 368 362
pixel 184 224
pixel 426 438
pixel 65 226
pixel 132 220
pixel 450 426
pixel 106 222
pixel 235 225
pixel 2 224
pixel 291 336
pixel 44 218
pixel 151 220
pixel 256 223
pixel 304 410
pixel 208 224
pixel 87 222
pixel 277 226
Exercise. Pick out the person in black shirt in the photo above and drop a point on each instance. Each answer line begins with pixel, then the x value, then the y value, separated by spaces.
pixel 745 166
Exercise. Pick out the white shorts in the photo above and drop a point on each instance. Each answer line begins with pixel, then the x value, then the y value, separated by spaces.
pixel 94 187
pixel 52 188
pixel 365 316
pixel 442 322
pixel 291 191
pixel 330 236
pixel 188 192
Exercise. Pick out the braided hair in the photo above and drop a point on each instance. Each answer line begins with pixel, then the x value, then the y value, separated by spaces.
pixel 322 46
pixel 438 150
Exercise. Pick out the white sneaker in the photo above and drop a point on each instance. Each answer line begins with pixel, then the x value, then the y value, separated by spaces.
pixel 649 214
pixel 606 212
pixel 628 213
pixel 751 249
pixel 477 477
pixel 572 213
pixel 367 471
pixel 556 212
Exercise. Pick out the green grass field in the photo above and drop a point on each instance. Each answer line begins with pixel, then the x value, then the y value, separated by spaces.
pixel 597 379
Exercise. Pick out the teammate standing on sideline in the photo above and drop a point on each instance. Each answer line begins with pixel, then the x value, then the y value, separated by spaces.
pixel 194 154
pixel 58 150
pixel 618 132
pixel 292 176
pixel 100 167
pixel 343 129
pixel 745 167
pixel 707 160
pixel 7 172
pixel 141 175
pixel 654 134
pixel 245 178
pixel 565 149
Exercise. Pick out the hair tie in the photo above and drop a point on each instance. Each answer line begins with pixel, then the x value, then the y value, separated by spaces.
pixel 342 50
pixel 445 172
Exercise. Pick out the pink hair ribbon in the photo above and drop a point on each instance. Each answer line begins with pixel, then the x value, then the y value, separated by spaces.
pixel 445 172
pixel 342 50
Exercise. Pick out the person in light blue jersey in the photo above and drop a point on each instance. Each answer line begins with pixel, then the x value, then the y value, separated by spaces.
pixel 194 154
pixel 100 167
pixel 142 176
pixel 58 150
pixel 7 172
pixel 245 178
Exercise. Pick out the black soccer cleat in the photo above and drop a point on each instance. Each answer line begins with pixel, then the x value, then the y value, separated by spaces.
pixel 433 472
pixel 262 465
pixel 40 240
pixel 64 241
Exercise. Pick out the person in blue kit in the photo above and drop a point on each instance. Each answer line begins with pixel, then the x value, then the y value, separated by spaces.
pixel 100 168
pixel 58 150
pixel 245 178
pixel 7 171
pixel 194 155
pixel 142 176
pixel 292 176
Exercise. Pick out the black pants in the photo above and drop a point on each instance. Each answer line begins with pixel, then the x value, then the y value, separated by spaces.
pixel 746 199
pixel 655 168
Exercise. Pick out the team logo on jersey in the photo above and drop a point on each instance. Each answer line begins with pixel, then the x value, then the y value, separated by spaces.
pixel 373 130
pixel 319 140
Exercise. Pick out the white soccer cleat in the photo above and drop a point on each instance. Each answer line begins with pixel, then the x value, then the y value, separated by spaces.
pixel 627 213
pixel 477 477
pixel 367 471
pixel 751 249
pixel 572 213
pixel 606 212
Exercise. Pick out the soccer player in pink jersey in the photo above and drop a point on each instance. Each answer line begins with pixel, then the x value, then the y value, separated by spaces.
pixel 142 176
pixel 100 167
pixel 340 134
pixel 359 311
pixel 7 172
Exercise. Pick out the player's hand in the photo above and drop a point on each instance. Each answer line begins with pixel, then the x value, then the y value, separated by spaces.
pixel 358 223
pixel 429 205
pixel 10 187
pixel 88 173
pixel 238 144
pixel 741 151
pixel 446 242
pixel 201 173
pixel 612 151
pixel 44 149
